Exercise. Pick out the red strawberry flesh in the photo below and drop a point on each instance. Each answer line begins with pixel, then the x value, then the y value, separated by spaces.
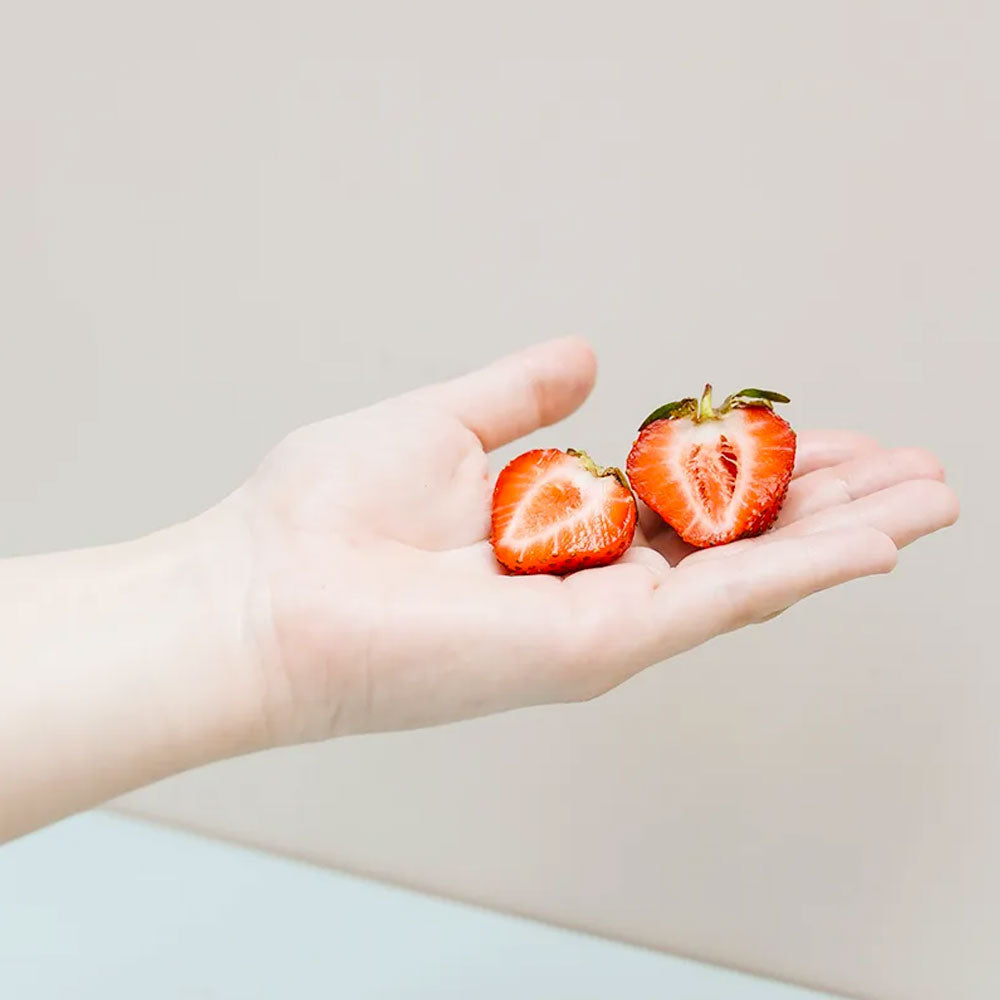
pixel 714 476
pixel 555 512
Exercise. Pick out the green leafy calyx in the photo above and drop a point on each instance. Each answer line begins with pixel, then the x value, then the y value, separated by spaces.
pixel 599 470
pixel 701 409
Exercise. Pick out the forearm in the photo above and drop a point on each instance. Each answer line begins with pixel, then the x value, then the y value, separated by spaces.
pixel 119 666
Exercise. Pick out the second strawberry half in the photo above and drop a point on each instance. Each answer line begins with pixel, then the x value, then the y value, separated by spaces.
pixel 715 474
pixel 557 511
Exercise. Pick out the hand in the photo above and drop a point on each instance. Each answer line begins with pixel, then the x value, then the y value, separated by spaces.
pixel 373 600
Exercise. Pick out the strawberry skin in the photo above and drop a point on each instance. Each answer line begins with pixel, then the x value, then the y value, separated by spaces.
pixel 715 475
pixel 556 511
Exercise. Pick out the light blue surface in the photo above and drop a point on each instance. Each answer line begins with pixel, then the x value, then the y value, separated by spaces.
pixel 110 908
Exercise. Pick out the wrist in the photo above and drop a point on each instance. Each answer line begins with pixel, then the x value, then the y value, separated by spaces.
pixel 122 665
pixel 200 577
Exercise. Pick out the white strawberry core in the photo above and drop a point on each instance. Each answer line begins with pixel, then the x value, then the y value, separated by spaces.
pixel 586 525
pixel 733 451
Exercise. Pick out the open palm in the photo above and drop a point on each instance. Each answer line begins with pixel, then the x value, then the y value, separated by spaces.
pixel 374 601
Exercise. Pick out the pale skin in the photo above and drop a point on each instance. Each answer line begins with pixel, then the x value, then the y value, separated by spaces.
pixel 348 587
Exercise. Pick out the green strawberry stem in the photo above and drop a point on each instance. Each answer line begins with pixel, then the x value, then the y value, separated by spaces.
pixel 705 411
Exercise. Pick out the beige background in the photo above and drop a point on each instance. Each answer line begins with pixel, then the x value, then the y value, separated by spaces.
pixel 219 221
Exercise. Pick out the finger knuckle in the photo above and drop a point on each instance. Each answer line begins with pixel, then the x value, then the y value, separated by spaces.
pixel 926 462
pixel 740 600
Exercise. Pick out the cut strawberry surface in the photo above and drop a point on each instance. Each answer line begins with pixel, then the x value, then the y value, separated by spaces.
pixel 715 475
pixel 556 511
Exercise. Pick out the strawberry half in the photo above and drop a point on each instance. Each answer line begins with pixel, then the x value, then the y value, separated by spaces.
pixel 556 511
pixel 715 475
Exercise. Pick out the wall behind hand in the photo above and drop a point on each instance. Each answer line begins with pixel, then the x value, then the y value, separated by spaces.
pixel 220 221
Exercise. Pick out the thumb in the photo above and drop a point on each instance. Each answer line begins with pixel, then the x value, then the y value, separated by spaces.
pixel 519 393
